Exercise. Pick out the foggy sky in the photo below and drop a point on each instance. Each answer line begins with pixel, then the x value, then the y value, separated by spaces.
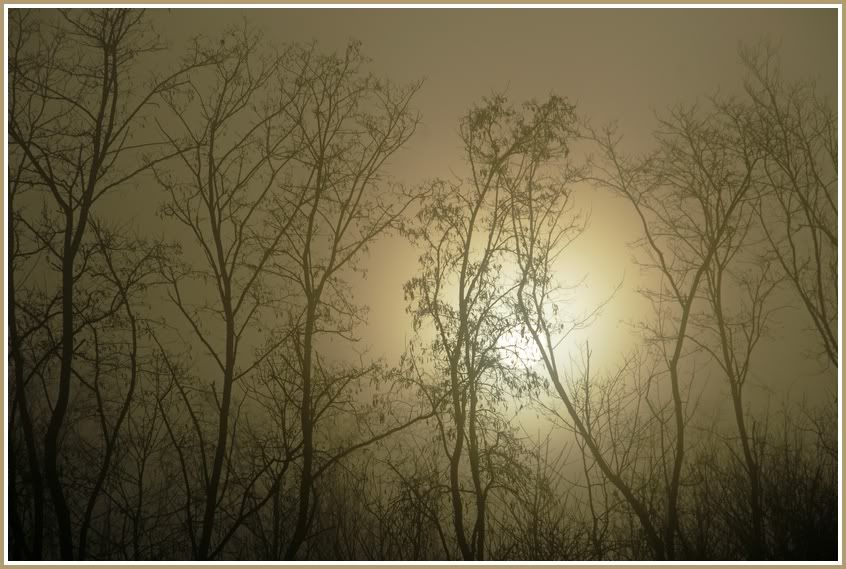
pixel 616 64
pixel 627 67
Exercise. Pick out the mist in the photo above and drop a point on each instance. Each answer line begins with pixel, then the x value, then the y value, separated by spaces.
pixel 422 284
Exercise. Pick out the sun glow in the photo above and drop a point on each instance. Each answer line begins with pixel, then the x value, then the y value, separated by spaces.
pixel 517 348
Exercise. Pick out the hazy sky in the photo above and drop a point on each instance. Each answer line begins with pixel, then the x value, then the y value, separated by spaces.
pixel 615 64
pixel 626 66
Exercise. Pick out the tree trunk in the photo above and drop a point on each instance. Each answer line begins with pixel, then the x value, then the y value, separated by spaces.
pixel 25 418
pixel 51 439
pixel 307 426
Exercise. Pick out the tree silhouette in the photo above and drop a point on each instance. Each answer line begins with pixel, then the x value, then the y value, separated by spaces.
pixel 348 125
pixel 72 124
pixel 462 292
pixel 202 385
pixel 674 193
pixel 795 133
pixel 234 143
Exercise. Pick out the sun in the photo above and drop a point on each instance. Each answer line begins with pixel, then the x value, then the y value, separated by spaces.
pixel 517 348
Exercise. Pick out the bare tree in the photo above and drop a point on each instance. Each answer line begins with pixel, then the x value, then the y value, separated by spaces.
pixel 213 399
pixel 73 124
pixel 465 292
pixel 795 132
pixel 539 519
pixel 234 140
pixel 739 281
pixel 670 192
pixel 544 223
pixel 20 182
pixel 348 124
pixel 801 500
pixel 127 267
pixel 141 488
pixel 283 185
